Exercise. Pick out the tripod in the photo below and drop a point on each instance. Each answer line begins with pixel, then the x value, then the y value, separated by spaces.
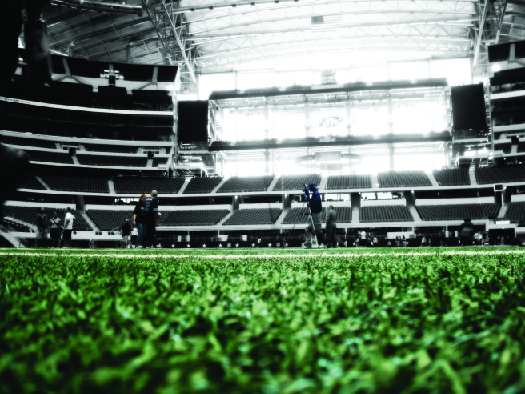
pixel 297 218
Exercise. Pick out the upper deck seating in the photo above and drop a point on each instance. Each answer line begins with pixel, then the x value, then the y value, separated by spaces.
pixel 193 217
pixel 387 213
pixel 485 175
pixel 340 182
pixel 515 212
pixel 139 185
pixel 521 146
pixel 201 185
pixel 28 215
pixel 31 183
pixel 76 184
pixel 110 148
pixel 403 179
pixel 506 147
pixel 120 161
pixel 51 157
pixel 452 177
pixel 254 216
pixel 344 215
pixel 295 182
pixel 458 211
pixel 19 141
pixel 160 161
pixel 251 184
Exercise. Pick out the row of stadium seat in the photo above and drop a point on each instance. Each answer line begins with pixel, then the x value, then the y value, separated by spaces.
pixel 458 211
pixel 108 220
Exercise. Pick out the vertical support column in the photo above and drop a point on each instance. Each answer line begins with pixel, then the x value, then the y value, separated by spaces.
pixel 236 80
pixel 307 120
pixel 348 114
pixel 349 160
pixel 273 162
pixel 266 121
pixel 267 159
pixel 391 150
pixel 390 112
pixel 128 53
pixel 429 67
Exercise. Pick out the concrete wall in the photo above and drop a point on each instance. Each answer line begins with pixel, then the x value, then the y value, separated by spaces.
pixel 451 201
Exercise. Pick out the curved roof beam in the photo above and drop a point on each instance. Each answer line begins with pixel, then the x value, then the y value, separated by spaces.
pixel 299 3
pixel 466 15
pixel 359 44
pixel 442 22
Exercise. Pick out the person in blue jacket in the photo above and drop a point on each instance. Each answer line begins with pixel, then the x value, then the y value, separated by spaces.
pixel 313 199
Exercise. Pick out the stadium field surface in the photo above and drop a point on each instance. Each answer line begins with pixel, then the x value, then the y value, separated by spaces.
pixel 356 320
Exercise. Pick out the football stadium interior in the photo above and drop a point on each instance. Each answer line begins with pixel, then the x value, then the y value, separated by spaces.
pixel 408 115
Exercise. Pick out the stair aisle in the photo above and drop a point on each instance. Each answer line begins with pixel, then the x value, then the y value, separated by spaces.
pixel 433 180
pixel 89 221
pixel 219 185
pixel 184 186
pixel 225 218
pixel 355 215
pixel 272 185
pixel 502 211
pixel 279 221
pixel 375 181
pixel 111 185
pixel 43 183
pixel 324 182
pixel 415 214
pixel 472 174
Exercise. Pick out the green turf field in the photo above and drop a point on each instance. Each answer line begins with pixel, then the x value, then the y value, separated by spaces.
pixel 393 320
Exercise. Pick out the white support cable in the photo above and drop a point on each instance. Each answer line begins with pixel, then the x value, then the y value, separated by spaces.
pixel 181 45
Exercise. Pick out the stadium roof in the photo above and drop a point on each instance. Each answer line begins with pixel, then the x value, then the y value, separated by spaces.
pixel 237 35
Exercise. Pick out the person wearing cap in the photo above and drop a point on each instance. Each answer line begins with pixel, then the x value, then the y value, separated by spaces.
pixel 313 199
pixel 54 230
pixel 126 234
pixel 152 214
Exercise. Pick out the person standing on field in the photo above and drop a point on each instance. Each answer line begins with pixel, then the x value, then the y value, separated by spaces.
pixel 331 219
pixel 68 228
pixel 54 230
pixel 139 220
pixel 41 228
pixel 152 214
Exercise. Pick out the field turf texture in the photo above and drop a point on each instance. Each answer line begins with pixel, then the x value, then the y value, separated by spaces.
pixel 272 321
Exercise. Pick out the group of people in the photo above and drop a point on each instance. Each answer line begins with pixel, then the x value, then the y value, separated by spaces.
pixel 326 238
pixel 145 214
pixel 54 228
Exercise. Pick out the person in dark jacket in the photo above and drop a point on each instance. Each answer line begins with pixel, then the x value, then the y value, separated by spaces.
pixel 54 230
pixel 126 234
pixel 41 228
pixel 467 232
pixel 331 220
pixel 139 220
pixel 152 214
pixel 313 199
